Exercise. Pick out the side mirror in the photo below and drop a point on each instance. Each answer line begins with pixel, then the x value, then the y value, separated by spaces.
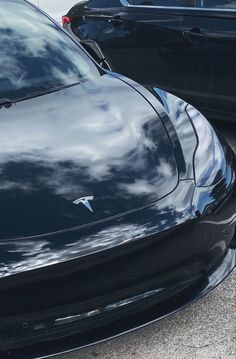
pixel 95 51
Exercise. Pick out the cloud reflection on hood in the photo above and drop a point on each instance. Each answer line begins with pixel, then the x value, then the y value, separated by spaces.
pixel 32 253
pixel 94 144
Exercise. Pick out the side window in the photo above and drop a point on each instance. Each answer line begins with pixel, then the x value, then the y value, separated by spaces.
pixel 115 3
pixel 104 3
pixel 219 4
pixel 166 3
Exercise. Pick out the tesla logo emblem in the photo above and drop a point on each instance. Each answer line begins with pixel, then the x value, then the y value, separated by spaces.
pixel 85 201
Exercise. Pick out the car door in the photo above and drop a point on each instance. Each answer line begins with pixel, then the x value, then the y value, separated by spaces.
pixel 146 41
pixel 209 72
pixel 140 39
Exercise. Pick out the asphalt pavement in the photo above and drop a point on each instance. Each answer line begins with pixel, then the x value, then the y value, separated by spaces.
pixel 205 330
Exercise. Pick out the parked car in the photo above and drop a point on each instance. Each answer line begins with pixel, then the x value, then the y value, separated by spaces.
pixel 117 201
pixel 187 47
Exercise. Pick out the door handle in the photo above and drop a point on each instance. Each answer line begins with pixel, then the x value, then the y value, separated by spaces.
pixel 194 35
pixel 116 19
pixel 113 19
pixel 95 16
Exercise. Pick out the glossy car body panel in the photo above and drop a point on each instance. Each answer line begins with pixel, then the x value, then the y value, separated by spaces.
pixel 109 261
pixel 187 51
pixel 85 281
pixel 99 148
pixel 119 281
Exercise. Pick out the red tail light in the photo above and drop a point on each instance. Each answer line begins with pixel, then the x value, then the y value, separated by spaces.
pixel 66 20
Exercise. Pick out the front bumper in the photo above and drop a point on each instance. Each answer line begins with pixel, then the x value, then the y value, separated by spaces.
pixel 123 317
pixel 169 256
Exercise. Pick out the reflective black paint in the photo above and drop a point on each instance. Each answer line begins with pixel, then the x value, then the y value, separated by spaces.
pixel 67 280
pixel 105 141
pixel 85 284
pixel 152 261
pixel 188 52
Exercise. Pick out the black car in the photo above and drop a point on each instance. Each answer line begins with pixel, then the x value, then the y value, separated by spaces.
pixel 117 202
pixel 186 47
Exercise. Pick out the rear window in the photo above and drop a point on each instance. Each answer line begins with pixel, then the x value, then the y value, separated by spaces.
pixel 35 55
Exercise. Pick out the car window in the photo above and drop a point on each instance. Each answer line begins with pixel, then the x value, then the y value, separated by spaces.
pixel 103 3
pixel 35 54
pixel 219 4
pixel 169 3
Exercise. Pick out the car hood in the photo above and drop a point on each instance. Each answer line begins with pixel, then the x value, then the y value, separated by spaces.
pixel 100 139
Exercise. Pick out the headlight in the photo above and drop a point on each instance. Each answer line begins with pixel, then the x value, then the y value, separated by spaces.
pixel 209 158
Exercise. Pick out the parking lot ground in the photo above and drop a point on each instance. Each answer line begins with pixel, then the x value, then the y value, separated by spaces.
pixel 205 330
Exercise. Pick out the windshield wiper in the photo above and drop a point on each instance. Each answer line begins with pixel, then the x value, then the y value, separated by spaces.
pixel 6 103
pixel 46 91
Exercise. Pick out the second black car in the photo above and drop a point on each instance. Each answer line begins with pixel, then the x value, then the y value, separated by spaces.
pixel 186 47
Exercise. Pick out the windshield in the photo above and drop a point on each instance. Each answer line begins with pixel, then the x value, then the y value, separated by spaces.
pixel 35 54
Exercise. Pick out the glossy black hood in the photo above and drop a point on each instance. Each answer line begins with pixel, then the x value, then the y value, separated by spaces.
pixel 100 138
